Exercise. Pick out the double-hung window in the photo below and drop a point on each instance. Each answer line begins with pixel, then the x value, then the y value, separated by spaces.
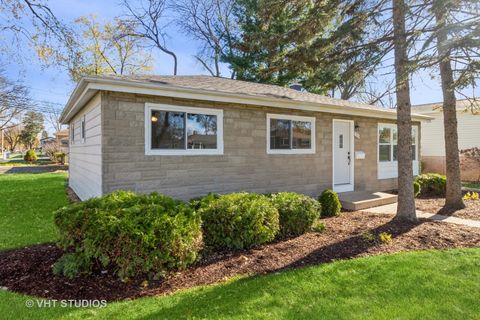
pixel 387 150
pixel 288 134
pixel 176 130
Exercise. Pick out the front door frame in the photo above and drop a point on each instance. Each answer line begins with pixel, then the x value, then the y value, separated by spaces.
pixel 350 186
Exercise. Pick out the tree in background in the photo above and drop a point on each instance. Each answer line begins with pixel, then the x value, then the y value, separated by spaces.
pixel 210 22
pixel 12 136
pixel 109 49
pixel 148 17
pixel 14 99
pixel 32 125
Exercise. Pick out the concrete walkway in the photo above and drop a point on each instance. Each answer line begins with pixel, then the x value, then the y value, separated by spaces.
pixel 392 209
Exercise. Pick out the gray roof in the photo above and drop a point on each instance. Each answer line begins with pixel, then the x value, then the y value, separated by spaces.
pixel 462 105
pixel 226 85
pixel 221 89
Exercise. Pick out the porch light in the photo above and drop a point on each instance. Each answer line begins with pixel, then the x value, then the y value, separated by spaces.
pixel 154 119
pixel 357 131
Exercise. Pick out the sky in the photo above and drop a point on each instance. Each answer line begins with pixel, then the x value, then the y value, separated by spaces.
pixel 53 84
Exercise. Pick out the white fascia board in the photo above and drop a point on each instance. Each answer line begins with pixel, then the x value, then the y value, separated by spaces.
pixel 126 86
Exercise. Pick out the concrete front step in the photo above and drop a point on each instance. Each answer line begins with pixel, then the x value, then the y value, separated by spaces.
pixel 359 200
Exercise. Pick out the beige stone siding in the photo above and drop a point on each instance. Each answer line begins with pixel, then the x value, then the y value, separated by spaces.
pixel 85 156
pixel 245 165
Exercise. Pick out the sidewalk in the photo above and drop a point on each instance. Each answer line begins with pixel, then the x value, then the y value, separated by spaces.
pixel 392 209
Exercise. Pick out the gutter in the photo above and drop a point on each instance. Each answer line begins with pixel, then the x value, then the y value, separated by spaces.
pixel 87 87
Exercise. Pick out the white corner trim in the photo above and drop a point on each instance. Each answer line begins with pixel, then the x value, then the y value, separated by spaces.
pixel 350 186
pixel 182 152
pixel 312 148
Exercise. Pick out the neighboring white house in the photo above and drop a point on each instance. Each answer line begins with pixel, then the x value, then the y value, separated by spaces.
pixel 433 140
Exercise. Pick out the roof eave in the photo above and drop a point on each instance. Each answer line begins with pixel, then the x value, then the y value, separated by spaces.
pixel 88 86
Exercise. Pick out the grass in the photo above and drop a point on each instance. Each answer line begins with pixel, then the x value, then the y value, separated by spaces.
pixel 414 285
pixel 16 160
pixel 27 202
pixel 475 185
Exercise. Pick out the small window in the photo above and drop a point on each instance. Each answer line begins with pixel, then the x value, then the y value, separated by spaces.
pixel 388 140
pixel 83 129
pixel 175 130
pixel 72 132
pixel 290 134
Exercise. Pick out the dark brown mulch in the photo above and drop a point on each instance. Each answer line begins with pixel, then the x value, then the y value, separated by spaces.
pixel 72 196
pixel 435 205
pixel 28 270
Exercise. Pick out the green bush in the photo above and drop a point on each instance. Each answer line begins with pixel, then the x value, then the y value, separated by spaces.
pixel 432 184
pixel 416 188
pixel 330 204
pixel 30 156
pixel 297 212
pixel 136 234
pixel 238 221
pixel 200 202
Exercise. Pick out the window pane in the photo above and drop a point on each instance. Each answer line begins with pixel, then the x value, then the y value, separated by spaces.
pixel 384 153
pixel 395 136
pixel 395 152
pixel 201 131
pixel 384 135
pixel 414 152
pixel 168 130
pixel 302 134
pixel 414 135
pixel 279 134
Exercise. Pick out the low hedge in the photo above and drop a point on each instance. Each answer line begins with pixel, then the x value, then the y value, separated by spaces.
pixel 238 220
pixel 331 205
pixel 135 234
pixel 432 185
pixel 297 212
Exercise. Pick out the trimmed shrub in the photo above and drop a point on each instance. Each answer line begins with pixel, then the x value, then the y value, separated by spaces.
pixel 297 212
pixel 30 156
pixel 136 234
pixel 330 204
pixel 201 202
pixel 416 188
pixel 239 221
pixel 432 184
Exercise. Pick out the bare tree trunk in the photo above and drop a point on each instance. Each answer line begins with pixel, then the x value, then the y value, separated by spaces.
pixel 406 199
pixel 454 183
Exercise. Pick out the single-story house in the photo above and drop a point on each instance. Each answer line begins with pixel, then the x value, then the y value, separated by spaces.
pixel 433 139
pixel 185 136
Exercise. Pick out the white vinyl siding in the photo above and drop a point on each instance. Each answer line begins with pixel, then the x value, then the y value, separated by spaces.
pixel 433 140
pixel 388 169
pixel 85 157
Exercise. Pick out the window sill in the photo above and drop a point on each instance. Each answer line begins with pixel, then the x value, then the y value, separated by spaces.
pixel 290 151
pixel 184 152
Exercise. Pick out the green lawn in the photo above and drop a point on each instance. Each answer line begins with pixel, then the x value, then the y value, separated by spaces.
pixel 475 185
pixel 27 202
pixel 414 285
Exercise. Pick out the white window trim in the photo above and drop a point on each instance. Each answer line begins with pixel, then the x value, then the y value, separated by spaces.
pixel 293 118
pixel 182 152
pixel 389 169
pixel 83 128
pixel 393 126
pixel 72 133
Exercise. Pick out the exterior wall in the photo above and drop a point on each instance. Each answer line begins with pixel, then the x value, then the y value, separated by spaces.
pixel 245 164
pixel 433 140
pixel 85 157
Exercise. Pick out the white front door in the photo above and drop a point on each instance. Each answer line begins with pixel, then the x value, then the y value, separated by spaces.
pixel 342 156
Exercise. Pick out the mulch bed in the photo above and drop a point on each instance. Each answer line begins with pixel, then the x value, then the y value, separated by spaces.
pixel 29 270
pixel 435 205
